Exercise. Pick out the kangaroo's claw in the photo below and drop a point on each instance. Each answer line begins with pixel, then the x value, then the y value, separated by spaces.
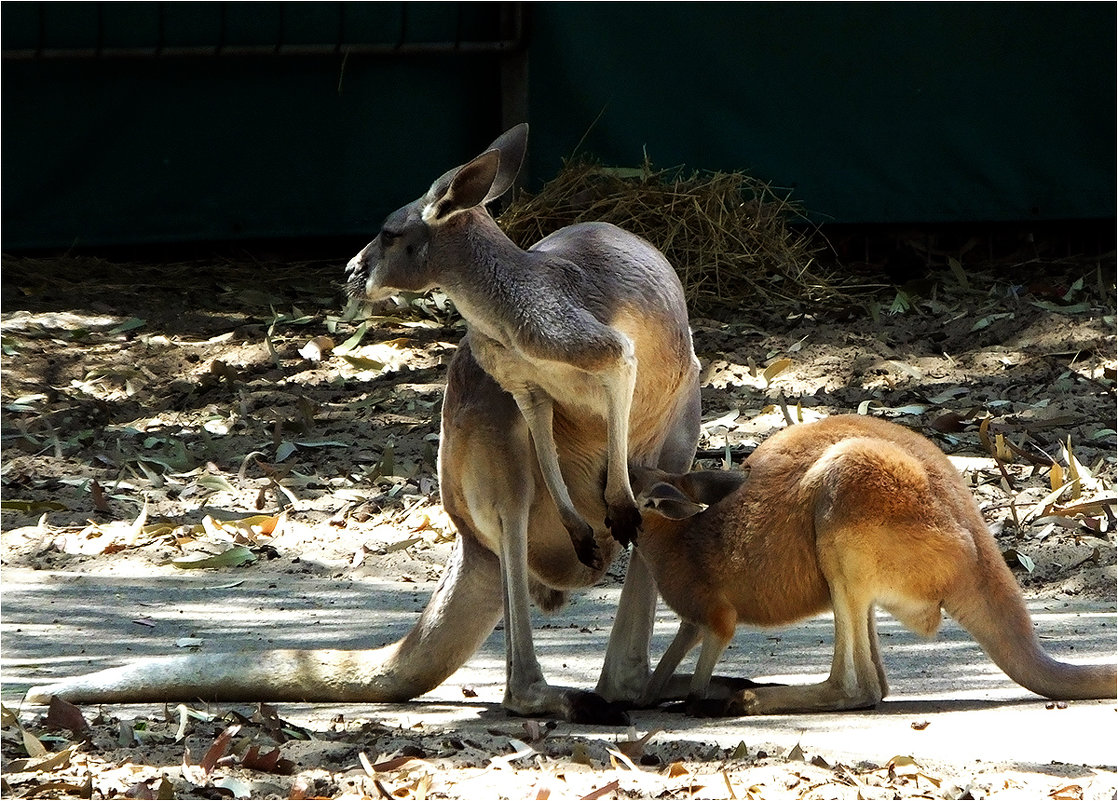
pixel 624 523
pixel 586 548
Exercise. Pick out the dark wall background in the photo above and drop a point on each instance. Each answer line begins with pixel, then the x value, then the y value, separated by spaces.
pixel 134 123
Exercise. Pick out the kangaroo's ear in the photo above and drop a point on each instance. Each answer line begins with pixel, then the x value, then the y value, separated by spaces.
pixel 711 486
pixel 462 188
pixel 512 145
pixel 667 501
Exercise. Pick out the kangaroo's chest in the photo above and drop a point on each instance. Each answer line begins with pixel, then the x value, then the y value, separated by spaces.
pixel 521 375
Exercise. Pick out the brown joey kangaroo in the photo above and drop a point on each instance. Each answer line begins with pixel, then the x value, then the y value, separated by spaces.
pixel 578 361
pixel 848 513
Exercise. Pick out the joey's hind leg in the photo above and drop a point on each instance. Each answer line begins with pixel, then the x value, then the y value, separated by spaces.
pixel 856 680
pixel 685 639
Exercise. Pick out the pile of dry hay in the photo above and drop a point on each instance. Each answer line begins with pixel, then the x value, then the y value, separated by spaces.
pixel 731 237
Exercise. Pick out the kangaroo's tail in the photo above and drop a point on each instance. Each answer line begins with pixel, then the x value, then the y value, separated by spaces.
pixel 992 610
pixel 461 613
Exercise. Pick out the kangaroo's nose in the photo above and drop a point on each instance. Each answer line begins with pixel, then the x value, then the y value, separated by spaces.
pixel 355 266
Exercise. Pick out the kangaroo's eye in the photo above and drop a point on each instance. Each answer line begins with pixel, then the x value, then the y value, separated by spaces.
pixel 387 237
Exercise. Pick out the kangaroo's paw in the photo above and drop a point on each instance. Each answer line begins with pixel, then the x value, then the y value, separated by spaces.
pixel 588 707
pixel 586 546
pixel 623 521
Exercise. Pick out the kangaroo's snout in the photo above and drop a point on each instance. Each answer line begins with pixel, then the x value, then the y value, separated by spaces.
pixel 357 274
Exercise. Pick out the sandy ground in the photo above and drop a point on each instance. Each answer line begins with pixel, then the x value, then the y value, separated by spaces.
pixel 183 387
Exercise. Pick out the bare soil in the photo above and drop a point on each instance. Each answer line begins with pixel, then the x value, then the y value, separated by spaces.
pixel 149 407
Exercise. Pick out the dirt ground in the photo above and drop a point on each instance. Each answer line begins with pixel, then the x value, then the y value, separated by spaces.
pixel 236 416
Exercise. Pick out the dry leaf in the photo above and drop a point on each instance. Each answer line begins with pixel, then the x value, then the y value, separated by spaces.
pixel 387 765
pixel 633 748
pixel 601 792
pixel 236 556
pixel 902 765
pixel 100 502
pixel 984 435
pixel 401 544
pixel 219 748
pixel 1056 477
pixel 317 348
pixel 676 769
pixel 271 762
pixel 47 763
pixel 616 756
pixel 949 423
pixel 729 787
pixel 64 715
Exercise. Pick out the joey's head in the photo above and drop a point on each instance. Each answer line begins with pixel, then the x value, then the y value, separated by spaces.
pixel 679 496
pixel 410 252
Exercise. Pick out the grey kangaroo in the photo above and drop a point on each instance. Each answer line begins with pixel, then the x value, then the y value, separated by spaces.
pixel 577 362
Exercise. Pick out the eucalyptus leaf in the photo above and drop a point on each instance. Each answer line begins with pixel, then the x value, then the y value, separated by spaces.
pixel 362 363
pixel 215 483
pixel 236 556
pixel 775 369
pixel 128 325
pixel 32 507
pixel 284 450
pixel 353 341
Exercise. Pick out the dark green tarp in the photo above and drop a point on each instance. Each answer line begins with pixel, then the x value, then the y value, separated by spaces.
pixel 870 113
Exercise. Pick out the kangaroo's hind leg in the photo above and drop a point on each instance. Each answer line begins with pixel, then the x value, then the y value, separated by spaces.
pixel 527 691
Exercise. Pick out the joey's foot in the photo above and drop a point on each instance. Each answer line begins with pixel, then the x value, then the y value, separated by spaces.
pixel 711 708
pixel 624 522
pixel 586 547
pixel 588 707
pixel 744 703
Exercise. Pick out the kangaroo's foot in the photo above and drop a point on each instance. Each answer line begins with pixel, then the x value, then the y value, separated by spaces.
pixel 541 699
pixel 623 521
pixel 589 707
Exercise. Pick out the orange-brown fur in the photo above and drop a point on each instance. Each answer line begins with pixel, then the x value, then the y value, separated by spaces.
pixel 849 513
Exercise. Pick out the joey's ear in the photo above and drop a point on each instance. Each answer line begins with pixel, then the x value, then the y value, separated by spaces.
pixel 667 501
pixel 468 186
pixel 711 486
pixel 512 145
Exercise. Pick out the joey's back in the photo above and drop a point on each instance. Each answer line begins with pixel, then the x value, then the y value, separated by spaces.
pixel 767 529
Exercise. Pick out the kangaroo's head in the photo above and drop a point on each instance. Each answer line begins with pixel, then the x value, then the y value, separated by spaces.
pixel 400 259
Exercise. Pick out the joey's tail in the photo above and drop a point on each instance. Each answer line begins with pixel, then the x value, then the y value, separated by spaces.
pixel 991 608
pixel 461 613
